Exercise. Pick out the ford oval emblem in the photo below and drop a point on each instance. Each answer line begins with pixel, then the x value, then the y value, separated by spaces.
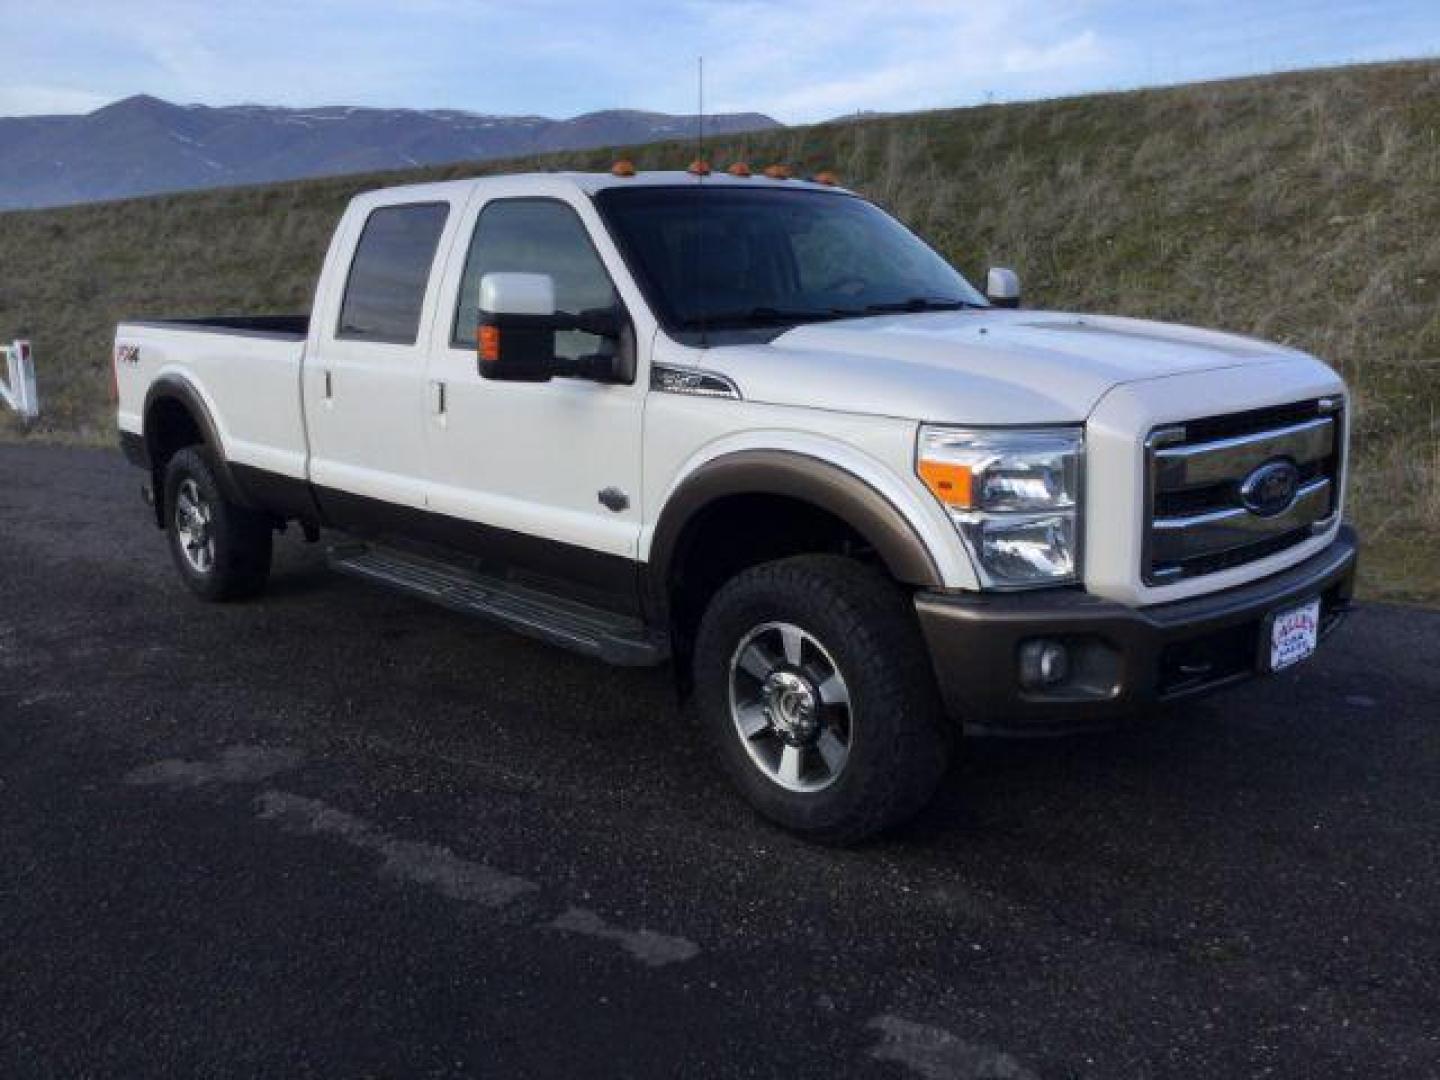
pixel 1270 489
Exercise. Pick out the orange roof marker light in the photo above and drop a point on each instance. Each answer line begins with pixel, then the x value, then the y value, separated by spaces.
pixel 739 169
pixel 699 167
pixel 623 167
pixel 826 177
pixel 777 172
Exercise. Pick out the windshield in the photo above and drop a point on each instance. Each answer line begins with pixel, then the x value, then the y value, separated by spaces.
pixel 721 257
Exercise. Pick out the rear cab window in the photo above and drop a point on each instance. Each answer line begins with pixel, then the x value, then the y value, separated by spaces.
pixel 385 289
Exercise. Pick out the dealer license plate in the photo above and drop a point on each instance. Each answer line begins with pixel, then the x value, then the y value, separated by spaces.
pixel 1294 634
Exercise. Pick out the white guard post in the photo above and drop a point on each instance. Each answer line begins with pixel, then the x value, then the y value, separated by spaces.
pixel 18 388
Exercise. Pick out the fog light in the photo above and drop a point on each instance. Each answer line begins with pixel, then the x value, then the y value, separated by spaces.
pixel 1043 664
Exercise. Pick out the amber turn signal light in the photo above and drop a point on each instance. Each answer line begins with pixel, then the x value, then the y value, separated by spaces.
pixel 949 483
pixel 826 177
pixel 699 167
pixel 623 168
pixel 487 338
pixel 739 169
pixel 777 172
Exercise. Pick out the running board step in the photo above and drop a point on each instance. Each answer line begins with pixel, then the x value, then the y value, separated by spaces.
pixel 559 621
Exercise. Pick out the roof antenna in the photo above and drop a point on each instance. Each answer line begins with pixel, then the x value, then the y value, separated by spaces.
pixel 700 168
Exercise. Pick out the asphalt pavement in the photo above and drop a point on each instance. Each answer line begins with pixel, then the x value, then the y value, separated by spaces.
pixel 338 832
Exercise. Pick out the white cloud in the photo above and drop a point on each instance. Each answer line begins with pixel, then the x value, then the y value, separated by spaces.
pixel 179 53
pixel 814 59
pixel 32 100
pixel 1082 50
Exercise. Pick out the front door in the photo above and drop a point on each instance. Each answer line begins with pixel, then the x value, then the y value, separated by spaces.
pixel 545 476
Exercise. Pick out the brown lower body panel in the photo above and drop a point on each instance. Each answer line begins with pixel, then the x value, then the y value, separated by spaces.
pixel 1122 660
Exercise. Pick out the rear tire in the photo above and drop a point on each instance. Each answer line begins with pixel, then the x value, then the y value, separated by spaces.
pixel 221 550
pixel 814 684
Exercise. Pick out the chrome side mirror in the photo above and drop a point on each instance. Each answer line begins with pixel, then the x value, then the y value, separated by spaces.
pixel 517 294
pixel 515 336
pixel 515 339
pixel 1002 287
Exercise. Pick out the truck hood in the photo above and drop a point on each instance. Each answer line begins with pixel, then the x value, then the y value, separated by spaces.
pixel 976 366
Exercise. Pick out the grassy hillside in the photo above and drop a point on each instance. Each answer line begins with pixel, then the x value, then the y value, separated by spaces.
pixel 1303 207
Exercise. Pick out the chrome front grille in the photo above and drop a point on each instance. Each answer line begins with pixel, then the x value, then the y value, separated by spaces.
pixel 1222 491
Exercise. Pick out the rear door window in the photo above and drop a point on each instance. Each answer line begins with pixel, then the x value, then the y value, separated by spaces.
pixel 386 288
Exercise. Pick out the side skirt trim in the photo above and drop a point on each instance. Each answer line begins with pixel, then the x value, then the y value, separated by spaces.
pixel 611 582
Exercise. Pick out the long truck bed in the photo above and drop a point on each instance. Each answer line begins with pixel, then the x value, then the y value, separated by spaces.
pixel 245 369
pixel 281 326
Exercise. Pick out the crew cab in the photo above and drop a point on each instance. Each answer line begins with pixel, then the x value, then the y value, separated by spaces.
pixel 756 428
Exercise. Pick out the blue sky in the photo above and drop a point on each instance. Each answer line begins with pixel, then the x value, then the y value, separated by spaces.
pixel 798 60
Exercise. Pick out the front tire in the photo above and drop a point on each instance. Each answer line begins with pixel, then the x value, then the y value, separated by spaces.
pixel 814 684
pixel 221 550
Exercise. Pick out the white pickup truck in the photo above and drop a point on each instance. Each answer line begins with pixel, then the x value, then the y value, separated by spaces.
pixel 757 428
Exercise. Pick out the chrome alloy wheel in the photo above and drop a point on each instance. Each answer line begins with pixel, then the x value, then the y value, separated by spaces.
pixel 791 707
pixel 194 519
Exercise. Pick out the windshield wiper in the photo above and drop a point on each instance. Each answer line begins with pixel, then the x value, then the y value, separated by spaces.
pixel 921 303
pixel 763 316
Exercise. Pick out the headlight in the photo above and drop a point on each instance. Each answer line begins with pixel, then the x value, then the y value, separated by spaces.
pixel 1014 495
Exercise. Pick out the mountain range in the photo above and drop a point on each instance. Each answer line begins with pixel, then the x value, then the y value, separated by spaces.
pixel 145 146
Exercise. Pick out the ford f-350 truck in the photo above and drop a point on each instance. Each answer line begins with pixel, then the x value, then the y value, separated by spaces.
pixel 756 428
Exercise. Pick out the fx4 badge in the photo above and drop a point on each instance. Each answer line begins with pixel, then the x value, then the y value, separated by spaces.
pixel 127 354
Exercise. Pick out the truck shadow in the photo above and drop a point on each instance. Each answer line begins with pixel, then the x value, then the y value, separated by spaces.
pixel 300 569
pixel 1267 759
pixel 1261 759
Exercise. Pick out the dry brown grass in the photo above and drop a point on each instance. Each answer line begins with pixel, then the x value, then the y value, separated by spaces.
pixel 1301 207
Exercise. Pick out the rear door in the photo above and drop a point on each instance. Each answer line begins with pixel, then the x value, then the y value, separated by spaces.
pixel 364 378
